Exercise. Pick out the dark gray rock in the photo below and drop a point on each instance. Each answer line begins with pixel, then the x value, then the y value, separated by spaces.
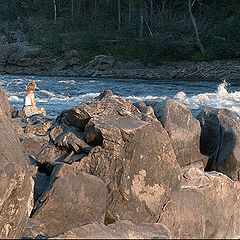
pixel 220 140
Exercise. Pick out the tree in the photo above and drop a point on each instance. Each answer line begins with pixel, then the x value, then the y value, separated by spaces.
pixel 199 44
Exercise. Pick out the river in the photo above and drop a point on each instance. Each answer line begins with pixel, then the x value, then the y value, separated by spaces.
pixel 56 94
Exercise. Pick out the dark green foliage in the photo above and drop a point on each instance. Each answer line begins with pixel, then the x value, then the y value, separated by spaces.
pixel 92 27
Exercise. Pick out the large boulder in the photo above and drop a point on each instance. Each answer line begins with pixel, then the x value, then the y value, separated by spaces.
pixel 118 230
pixel 183 129
pixel 220 140
pixel 206 207
pixel 130 152
pixel 16 185
pixel 105 104
pixel 72 200
pixel 136 161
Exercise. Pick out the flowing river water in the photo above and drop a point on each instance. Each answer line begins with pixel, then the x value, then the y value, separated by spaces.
pixel 56 94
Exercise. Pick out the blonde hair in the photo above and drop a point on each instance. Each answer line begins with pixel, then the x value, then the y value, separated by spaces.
pixel 31 86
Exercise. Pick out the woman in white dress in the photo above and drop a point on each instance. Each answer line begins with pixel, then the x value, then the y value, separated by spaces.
pixel 30 107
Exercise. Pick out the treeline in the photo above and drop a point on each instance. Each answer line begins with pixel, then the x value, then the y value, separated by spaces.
pixel 156 31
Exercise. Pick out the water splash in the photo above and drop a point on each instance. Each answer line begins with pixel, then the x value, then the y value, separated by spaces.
pixel 220 99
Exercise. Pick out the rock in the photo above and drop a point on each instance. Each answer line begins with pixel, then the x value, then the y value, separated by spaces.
pixel 3 39
pixel 62 169
pixel 220 140
pixel 183 129
pixel 137 162
pixel 100 63
pixel 12 53
pixel 33 229
pixel 118 230
pixel 72 139
pixel 73 200
pixel 41 183
pixel 38 124
pixel 206 207
pixel 33 144
pixel 51 154
pixel 16 185
pixel 105 104
pixel 147 112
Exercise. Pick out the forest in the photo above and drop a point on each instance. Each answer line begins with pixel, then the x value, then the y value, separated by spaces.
pixel 154 31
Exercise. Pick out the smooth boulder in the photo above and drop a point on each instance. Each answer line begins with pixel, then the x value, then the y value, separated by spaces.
pixel 183 129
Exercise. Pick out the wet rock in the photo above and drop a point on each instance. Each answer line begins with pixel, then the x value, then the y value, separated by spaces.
pixel 72 200
pixel 220 140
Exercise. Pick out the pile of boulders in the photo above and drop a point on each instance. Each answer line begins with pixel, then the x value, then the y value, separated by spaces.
pixel 108 168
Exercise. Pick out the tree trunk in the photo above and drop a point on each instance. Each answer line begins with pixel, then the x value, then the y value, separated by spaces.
pixel 130 11
pixel 199 44
pixel 151 9
pixel 141 20
pixel 55 11
pixel 72 10
pixel 95 6
pixel 119 15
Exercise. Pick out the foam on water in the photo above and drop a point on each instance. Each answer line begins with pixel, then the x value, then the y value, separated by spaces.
pixel 221 99
pixel 144 98
pixel 67 81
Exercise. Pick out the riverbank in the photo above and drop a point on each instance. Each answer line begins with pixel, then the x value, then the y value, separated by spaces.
pixel 107 67
pixel 221 70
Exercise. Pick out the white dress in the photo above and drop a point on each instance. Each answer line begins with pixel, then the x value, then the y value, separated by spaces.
pixel 29 110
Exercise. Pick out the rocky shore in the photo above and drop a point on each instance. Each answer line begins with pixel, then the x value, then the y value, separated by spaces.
pixel 110 169
pixel 18 56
